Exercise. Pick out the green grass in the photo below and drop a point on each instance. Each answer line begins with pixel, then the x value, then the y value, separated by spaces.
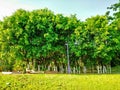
pixel 59 82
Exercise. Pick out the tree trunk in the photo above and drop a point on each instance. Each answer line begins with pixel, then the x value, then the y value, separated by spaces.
pixel 109 68
pixel 79 69
pixel 34 64
pixel 61 69
pixel 66 69
pixel 84 69
pixel 98 69
pixel 28 65
pixel 74 70
pixel 104 69
pixel 54 68
pixel 48 67
pixel 38 67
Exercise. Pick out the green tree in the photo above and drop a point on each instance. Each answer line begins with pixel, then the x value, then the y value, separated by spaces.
pixel 12 34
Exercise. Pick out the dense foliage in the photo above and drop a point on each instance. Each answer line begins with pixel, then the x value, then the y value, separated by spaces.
pixel 36 40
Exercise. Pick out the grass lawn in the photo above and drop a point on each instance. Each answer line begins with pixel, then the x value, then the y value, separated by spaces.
pixel 59 82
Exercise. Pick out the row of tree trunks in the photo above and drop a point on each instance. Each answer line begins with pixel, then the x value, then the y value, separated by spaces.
pixel 103 69
pixel 100 69
pixel 64 69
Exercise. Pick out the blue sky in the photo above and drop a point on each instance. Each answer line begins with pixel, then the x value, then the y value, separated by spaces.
pixel 82 8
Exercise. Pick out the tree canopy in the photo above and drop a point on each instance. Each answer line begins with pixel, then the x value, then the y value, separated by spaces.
pixel 40 36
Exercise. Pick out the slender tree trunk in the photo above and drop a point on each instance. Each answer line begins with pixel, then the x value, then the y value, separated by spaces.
pixel 48 67
pixel 98 69
pixel 84 69
pixel 79 69
pixel 110 68
pixel 74 70
pixel 66 69
pixel 61 69
pixel 55 68
pixel 34 65
pixel 92 68
pixel 38 67
pixel 104 69
pixel 28 65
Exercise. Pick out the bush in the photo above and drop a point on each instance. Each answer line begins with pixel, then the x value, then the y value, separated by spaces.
pixel 19 66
